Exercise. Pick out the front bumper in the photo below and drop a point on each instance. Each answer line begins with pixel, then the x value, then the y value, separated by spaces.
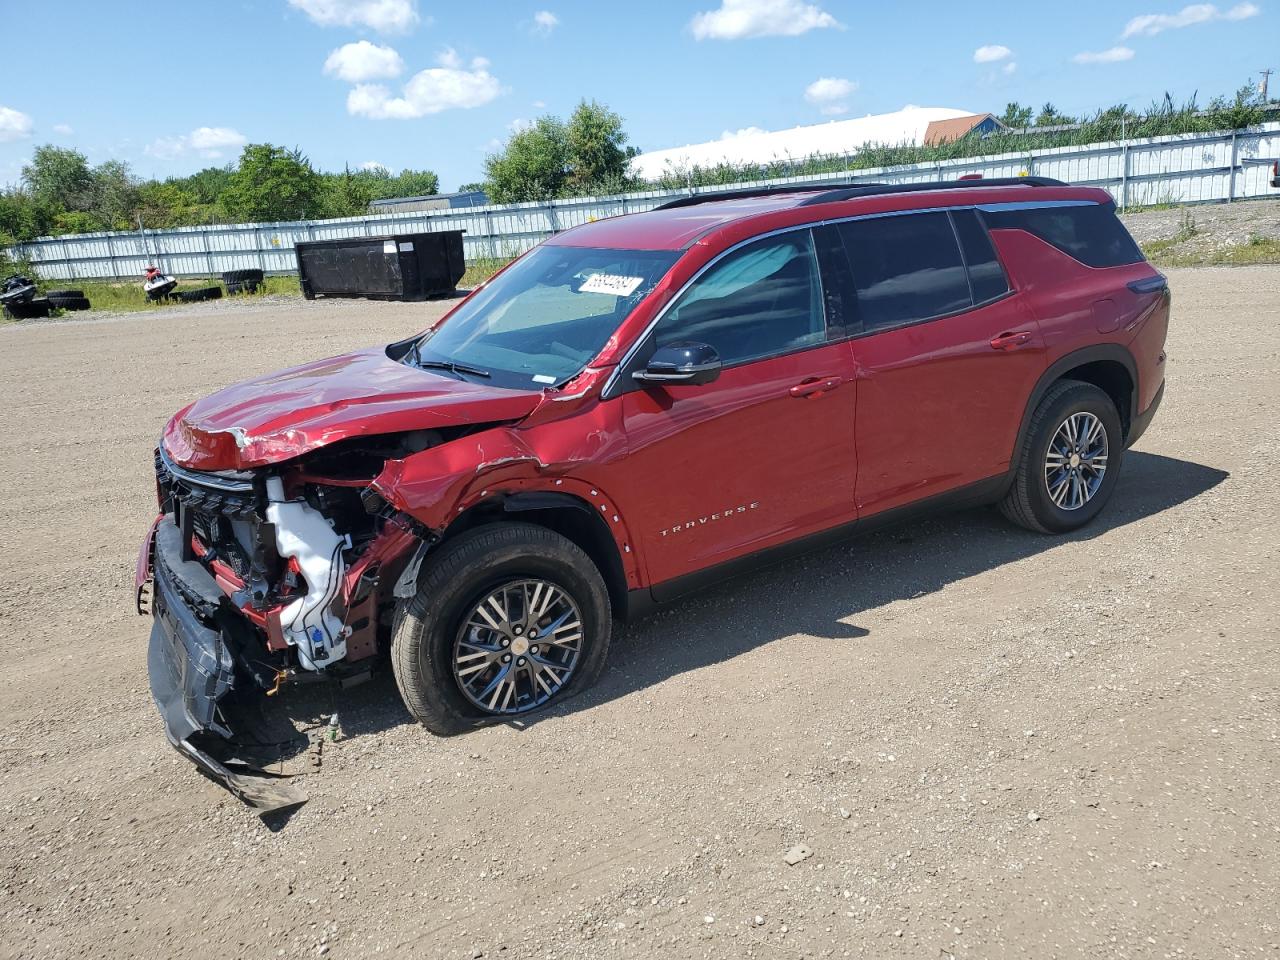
pixel 192 665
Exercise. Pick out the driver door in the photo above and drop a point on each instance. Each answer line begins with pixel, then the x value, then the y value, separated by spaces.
pixel 763 454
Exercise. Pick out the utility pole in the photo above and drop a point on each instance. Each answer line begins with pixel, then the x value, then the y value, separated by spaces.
pixel 1262 87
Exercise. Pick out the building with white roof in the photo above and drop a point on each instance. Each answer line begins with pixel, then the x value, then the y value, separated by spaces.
pixel 906 126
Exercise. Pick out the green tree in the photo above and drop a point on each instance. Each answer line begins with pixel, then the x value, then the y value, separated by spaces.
pixel 596 148
pixel 20 218
pixel 114 198
pixel 59 178
pixel 272 183
pixel 345 195
pixel 1050 117
pixel 1016 115
pixel 532 166
pixel 412 183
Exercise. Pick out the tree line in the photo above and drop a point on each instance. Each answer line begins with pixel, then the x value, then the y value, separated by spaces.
pixel 61 193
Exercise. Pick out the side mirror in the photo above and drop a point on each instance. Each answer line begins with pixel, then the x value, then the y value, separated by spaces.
pixel 687 363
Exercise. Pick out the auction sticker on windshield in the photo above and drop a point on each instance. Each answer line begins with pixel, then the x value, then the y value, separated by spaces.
pixel 611 283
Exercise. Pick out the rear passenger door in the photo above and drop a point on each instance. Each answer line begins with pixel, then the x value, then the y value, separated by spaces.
pixel 946 355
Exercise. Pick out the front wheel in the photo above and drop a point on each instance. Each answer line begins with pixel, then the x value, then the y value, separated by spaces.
pixel 508 618
pixel 1069 461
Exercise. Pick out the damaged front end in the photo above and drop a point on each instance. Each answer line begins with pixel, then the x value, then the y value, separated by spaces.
pixel 259 576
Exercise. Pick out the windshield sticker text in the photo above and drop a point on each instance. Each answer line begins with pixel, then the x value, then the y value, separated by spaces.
pixel 611 283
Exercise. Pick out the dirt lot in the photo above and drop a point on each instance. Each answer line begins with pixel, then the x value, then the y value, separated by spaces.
pixel 995 743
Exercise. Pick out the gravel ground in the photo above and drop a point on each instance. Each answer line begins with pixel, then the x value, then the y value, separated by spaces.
pixel 1206 230
pixel 994 743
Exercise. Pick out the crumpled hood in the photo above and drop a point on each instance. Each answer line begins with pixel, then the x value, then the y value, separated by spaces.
pixel 282 415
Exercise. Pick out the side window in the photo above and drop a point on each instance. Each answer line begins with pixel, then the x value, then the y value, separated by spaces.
pixel 1091 233
pixel 906 268
pixel 986 276
pixel 759 301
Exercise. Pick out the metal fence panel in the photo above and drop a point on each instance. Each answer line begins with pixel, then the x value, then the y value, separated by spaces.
pixel 1187 168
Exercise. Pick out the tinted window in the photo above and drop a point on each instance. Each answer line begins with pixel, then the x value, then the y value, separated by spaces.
pixel 906 268
pixel 1091 234
pixel 761 300
pixel 986 276
pixel 839 297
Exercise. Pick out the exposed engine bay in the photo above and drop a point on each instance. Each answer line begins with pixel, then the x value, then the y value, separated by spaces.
pixel 259 576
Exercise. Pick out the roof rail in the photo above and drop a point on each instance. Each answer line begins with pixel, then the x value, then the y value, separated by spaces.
pixel 831 192
pixel 870 190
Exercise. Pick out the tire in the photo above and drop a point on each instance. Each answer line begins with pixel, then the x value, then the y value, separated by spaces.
pixel 65 294
pixel 196 296
pixel 28 309
pixel 68 303
pixel 240 276
pixel 1028 502
pixel 241 286
pixel 457 577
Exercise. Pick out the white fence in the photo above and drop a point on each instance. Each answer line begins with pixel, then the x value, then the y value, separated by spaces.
pixel 1188 168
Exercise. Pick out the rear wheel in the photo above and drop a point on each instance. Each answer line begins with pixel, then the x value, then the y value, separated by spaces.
pixel 508 618
pixel 1069 462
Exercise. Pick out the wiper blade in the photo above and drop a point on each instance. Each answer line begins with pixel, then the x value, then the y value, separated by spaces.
pixel 454 367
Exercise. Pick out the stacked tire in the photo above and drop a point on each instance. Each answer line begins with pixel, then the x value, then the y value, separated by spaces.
pixel 35 309
pixel 67 300
pixel 196 296
pixel 242 281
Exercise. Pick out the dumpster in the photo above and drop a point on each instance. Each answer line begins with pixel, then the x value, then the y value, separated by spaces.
pixel 409 266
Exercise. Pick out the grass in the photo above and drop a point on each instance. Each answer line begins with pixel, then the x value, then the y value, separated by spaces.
pixel 479 271
pixel 126 296
pixel 1258 250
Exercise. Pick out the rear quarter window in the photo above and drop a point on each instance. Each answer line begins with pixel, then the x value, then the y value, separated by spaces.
pixel 1090 233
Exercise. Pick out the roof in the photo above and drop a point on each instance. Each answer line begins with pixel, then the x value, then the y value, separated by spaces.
pixel 679 227
pixel 672 229
pixel 944 131
pixel 823 139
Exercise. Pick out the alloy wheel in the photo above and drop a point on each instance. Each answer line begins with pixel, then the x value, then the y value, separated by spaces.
pixel 518 646
pixel 1076 461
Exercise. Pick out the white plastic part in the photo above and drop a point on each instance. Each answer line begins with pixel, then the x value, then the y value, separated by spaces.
pixel 304 534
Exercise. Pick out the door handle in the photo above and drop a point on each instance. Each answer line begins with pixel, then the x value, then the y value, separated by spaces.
pixel 1007 341
pixel 816 386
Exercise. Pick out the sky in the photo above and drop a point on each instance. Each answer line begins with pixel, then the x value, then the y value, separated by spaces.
pixel 171 87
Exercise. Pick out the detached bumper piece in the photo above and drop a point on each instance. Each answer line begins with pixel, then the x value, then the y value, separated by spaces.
pixel 194 677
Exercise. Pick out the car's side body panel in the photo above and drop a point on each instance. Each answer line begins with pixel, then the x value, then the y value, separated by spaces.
pixel 764 454
pixel 938 405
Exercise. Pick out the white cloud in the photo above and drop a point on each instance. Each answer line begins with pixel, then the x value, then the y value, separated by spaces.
pixel 519 125
pixel 1149 24
pixel 1009 68
pixel 736 19
pixel 14 125
pixel 63 128
pixel 544 21
pixel 743 132
pixel 384 16
pixel 363 61
pixel 208 142
pixel 829 93
pixel 539 104
pixel 450 86
pixel 992 53
pixel 1113 55
pixel 373 166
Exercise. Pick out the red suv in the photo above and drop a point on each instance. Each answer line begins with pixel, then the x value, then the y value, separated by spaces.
pixel 635 408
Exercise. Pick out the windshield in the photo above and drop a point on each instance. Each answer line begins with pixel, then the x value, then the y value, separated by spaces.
pixel 542 320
